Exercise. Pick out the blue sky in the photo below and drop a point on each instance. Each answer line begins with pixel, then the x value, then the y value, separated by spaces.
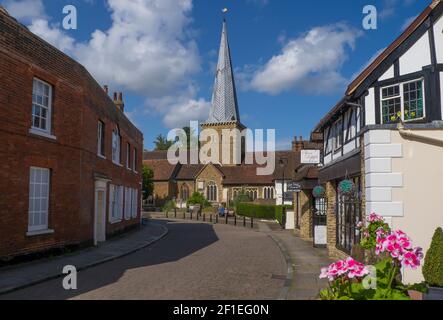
pixel 292 59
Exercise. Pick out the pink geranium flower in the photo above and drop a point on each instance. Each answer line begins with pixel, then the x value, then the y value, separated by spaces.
pixel 348 268
pixel 399 247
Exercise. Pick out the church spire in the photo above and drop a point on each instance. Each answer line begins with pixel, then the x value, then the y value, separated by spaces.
pixel 224 98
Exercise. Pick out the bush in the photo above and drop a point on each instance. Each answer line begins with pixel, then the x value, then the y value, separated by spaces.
pixel 433 267
pixel 169 206
pixel 198 198
pixel 250 210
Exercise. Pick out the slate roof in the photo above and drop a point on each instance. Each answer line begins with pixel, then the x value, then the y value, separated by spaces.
pixel 163 170
pixel 224 107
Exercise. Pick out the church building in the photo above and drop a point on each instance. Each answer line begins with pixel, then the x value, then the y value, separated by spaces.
pixel 221 183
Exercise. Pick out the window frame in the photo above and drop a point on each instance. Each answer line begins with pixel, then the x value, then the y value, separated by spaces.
pixel 402 100
pixel 128 156
pixel 40 227
pixel 101 139
pixel 134 160
pixel 116 205
pixel 49 108
pixel 337 138
pixel 116 153
pixel 134 204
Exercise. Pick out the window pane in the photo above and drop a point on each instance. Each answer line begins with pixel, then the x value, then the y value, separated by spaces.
pixel 391 110
pixel 413 100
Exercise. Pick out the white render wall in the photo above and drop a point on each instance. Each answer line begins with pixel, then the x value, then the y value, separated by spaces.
pixel 380 177
pixel 421 194
pixel 438 30
pixel 418 56
pixel 441 90
pixel 370 107
pixel 388 74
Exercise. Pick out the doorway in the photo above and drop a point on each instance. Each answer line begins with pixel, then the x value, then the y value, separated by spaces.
pixel 100 212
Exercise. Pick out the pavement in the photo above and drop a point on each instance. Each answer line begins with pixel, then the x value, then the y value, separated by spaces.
pixel 21 276
pixel 305 263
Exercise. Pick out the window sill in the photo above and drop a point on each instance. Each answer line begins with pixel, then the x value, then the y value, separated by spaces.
pixel 118 164
pixel 100 156
pixel 115 221
pixel 39 232
pixel 42 134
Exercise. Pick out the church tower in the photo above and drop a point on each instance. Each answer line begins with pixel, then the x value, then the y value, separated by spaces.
pixel 224 116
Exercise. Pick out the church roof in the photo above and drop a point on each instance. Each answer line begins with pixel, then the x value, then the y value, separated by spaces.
pixel 224 107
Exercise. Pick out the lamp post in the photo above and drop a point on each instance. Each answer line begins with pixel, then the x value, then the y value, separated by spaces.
pixel 282 164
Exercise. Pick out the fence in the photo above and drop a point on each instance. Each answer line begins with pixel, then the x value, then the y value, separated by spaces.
pixel 348 216
pixel 212 218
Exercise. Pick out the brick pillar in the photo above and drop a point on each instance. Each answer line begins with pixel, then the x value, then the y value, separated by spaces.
pixel 331 196
pixel 306 215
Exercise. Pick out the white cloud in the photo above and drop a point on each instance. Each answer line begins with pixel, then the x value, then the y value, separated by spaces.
pixel 25 10
pixel 310 63
pixel 149 50
pixel 389 7
pixel 181 113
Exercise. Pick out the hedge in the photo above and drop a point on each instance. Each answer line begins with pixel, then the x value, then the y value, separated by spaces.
pixel 266 212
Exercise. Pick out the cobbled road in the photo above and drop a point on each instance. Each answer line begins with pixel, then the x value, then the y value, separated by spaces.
pixel 194 261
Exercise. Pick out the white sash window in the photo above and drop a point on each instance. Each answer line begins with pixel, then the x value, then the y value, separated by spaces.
pixel 38 199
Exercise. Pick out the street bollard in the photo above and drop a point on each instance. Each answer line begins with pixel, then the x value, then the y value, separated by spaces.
pixel 167 214
pixel 216 219
pixel 204 217
pixel 191 215
pixel 198 216
pixel 210 218
pixel 175 213
pixel 184 215
pixel 252 223
pixel 244 222
pixel 227 218
pixel 235 220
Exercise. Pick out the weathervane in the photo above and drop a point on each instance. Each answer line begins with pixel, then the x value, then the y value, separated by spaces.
pixel 225 11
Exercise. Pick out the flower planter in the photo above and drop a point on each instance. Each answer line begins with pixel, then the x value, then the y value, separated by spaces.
pixel 415 295
pixel 434 294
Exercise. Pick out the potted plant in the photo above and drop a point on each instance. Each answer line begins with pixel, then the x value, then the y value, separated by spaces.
pixel 351 280
pixel 346 188
pixel 319 192
pixel 433 267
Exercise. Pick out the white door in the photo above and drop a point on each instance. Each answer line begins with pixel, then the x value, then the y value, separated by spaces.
pixel 100 215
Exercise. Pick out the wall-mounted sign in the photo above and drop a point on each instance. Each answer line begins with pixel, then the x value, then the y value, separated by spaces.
pixel 310 156
pixel 293 187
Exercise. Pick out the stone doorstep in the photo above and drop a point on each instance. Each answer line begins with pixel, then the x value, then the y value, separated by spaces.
pixel 26 277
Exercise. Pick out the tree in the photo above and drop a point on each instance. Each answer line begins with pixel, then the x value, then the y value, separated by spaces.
pixel 162 143
pixel 148 184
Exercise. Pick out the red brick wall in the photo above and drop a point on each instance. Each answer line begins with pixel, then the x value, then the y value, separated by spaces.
pixel 78 104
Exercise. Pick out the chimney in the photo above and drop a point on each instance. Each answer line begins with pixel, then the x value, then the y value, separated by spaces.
pixel 118 101
pixel 106 89
pixel 297 145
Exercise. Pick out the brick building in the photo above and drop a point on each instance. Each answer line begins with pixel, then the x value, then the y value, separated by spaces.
pixel 70 158
pixel 222 181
